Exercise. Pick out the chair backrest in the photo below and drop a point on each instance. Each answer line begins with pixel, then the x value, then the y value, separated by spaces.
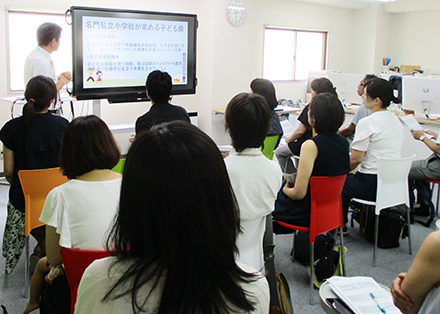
pixel 119 168
pixel 392 182
pixel 326 204
pixel 75 263
pixel 270 142
pixel 36 184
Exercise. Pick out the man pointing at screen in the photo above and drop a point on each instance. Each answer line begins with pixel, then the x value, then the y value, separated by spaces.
pixel 39 62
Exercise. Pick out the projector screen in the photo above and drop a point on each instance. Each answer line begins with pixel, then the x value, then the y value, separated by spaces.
pixel 115 50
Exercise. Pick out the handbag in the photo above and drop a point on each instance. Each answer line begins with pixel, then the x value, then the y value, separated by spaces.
pixel 328 266
pixel 280 300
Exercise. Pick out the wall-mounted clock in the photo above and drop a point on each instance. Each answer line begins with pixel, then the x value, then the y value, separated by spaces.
pixel 236 12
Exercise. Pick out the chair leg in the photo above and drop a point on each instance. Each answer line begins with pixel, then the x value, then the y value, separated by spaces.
pixel 26 267
pixel 376 234
pixel 293 248
pixel 438 195
pixel 342 251
pixel 408 223
pixel 312 266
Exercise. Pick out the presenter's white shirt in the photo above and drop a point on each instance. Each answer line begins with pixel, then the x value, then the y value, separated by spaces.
pixel 82 212
pixel 39 62
pixel 256 181
pixel 100 277
pixel 380 136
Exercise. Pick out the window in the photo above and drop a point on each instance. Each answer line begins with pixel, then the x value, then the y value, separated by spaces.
pixel 290 54
pixel 22 39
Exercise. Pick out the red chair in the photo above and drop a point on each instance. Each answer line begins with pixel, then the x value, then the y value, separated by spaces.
pixel 434 182
pixel 75 263
pixel 325 215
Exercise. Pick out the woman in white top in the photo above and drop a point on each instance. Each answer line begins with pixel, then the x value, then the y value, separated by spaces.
pixel 418 290
pixel 379 135
pixel 78 213
pixel 175 233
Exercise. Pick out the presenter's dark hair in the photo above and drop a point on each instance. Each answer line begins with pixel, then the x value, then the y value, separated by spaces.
pixel 40 92
pixel 266 89
pixel 178 220
pixel 247 119
pixel 87 144
pixel 159 86
pixel 323 85
pixel 327 111
pixel 46 32
pixel 382 89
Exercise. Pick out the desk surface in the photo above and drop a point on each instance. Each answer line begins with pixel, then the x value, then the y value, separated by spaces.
pixel 279 109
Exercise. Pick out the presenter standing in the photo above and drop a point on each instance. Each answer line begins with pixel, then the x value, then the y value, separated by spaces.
pixel 39 62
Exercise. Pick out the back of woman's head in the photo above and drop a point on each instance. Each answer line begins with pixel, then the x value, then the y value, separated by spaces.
pixel 247 119
pixel 328 114
pixel 266 89
pixel 40 92
pixel 178 216
pixel 323 85
pixel 87 144
pixel 382 89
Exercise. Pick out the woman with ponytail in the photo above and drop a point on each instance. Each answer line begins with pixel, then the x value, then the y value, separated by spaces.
pixel 31 141
pixel 380 135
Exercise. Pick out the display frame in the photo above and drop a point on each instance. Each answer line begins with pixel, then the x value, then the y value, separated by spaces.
pixel 135 92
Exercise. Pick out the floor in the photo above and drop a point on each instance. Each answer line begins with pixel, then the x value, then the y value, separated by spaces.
pixel 358 263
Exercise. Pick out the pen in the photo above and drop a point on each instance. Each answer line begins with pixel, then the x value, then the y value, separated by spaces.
pixel 377 303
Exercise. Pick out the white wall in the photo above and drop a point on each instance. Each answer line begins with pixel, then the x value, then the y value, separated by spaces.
pixel 414 39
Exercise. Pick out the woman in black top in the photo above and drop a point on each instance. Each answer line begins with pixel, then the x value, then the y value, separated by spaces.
pixel 266 89
pixel 326 154
pixel 31 141
pixel 304 131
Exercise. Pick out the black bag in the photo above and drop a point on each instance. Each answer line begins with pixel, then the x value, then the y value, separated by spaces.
pixel 323 245
pixel 392 225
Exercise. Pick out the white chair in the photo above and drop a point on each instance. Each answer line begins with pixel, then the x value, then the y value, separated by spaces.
pixel 392 190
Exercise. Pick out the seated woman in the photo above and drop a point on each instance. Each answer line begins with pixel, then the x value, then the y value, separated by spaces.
pixel 266 89
pixel 31 141
pixel 174 234
pixel 325 154
pixel 418 290
pixel 254 178
pixel 304 130
pixel 78 213
pixel 380 135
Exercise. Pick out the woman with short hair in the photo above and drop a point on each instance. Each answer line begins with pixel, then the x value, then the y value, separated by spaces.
pixel 174 235
pixel 325 154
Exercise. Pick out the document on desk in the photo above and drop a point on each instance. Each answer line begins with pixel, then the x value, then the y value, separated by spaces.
pixel 363 295
pixel 413 124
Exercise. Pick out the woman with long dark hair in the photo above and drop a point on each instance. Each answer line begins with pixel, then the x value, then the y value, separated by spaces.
pixel 31 141
pixel 174 235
